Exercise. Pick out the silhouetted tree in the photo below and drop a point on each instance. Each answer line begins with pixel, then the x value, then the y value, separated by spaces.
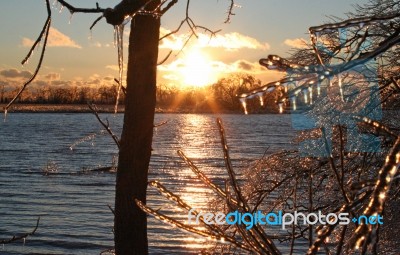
pixel 130 222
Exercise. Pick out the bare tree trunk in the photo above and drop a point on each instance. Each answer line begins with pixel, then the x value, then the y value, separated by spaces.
pixel 134 156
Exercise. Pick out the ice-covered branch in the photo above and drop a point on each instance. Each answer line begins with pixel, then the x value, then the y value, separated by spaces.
pixel 74 9
pixel 229 12
pixel 362 234
pixel 361 22
pixel 203 177
pixel 192 26
pixel 44 34
pixel 186 227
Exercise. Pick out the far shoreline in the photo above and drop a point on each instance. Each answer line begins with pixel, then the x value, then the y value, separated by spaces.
pixel 83 108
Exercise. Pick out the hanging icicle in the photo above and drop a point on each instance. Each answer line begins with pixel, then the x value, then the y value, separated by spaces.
pixel 5 115
pixel 70 17
pixel 293 100
pixel 261 97
pixel 339 77
pixel 310 91
pixel 118 40
pixel 243 102
pixel 305 93
pixel 280 107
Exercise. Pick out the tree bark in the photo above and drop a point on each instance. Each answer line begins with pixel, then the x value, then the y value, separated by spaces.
pixel 134 156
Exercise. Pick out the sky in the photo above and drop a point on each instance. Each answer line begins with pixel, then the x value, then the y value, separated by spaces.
pixel 77 57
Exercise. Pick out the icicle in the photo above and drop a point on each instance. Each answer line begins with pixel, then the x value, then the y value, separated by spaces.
pixel 316 35
pixel 286 87
pixel 61 9
pixel 126 20
pixel 23 240
pixel 310 90
pixel 243 101
pixel 120 44
pixel 260 96
pixel 115 36
pixel 340 86
pixel 293 99
pixel 318 88
pixel 70 17
pixel 280 107
pixel 305 93
pixel 342 35
pixel 5 115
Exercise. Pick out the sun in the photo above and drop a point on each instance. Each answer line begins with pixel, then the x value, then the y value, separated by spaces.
pixel 196 70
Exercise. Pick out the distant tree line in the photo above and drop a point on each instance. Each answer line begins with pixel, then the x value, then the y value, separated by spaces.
pixel 62 95
pixel 218 97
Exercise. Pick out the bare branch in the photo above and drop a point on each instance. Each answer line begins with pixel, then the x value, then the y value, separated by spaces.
pixel 165 59
pixel 352 22
pixel 111 209
pixel 170 4
pixel 20 237
pixel 105 125
pixel 95 22
pixel 230 12
pixel 160 124
pixel 73 9
pixel 45 34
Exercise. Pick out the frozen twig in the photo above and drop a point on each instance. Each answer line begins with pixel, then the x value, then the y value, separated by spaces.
pixel 44 34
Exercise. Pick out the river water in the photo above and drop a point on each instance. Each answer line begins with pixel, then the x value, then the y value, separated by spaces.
pixel 73 208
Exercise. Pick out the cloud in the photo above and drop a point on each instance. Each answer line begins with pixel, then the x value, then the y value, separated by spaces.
pixel 56 39
pixel 298 43
pixel 230 41
pixel 112 67
pixel 97 44
pixel 52 76
pixel 115 67
pixel 14 73
pixel 172 71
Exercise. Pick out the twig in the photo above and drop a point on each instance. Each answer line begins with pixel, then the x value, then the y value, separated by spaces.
pixel 230 12
pixel 188 228
pixel 44 33
pixel 95 22
pixel 106 126
pixel 111 209
pixel 165 59
pixel 20 237
pixel 160 124
pixel 203 177
pixel 73 9
pixel 170 4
